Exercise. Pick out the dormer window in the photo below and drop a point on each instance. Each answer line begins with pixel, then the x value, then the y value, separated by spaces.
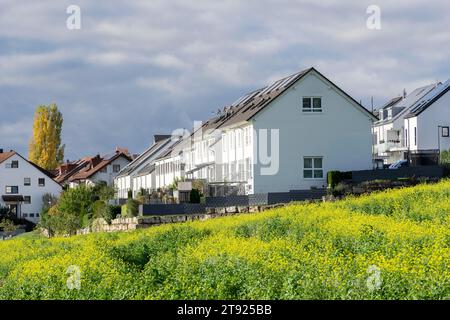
pixel 312 104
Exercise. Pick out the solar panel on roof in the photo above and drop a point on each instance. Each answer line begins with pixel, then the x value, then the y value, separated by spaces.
pixel 269 88
pixel 430 96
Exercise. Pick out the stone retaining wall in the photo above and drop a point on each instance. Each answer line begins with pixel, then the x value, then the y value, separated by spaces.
pixel 127 224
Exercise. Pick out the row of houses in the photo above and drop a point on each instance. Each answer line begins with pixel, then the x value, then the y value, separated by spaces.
pixel 279 138
pixel 289 134
pixel 414 126
pixel 285 136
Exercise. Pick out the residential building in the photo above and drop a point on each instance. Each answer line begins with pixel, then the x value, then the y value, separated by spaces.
pixel 93 170
pixel 389 142
pixel 139 174
pixel 426 126
pixel 283 137
pixel 23 185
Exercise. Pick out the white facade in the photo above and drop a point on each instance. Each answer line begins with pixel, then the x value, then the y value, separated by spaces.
pixel 389 133
pixel 337 138
pixel 339 135
pixel 105 175
pixel 28 181
pixel 305 127
pixel 131 178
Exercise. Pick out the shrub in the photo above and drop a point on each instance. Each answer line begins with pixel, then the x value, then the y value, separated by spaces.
pixel 114 211
pixel 444 158
pixel 334 177
pixel 131 208
pixel 73 211
pixel 194 196
pixel 7 226
pixel 340 189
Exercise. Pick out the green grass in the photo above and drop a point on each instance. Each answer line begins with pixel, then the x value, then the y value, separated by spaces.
pixel 303 251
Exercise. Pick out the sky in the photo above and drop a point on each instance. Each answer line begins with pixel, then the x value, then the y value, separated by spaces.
pixel 137 68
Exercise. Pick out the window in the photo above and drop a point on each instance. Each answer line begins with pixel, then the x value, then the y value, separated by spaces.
pixel 104 169
pixel 224 143
pixel 12 190
pixel 313 168
pixel 445 131
pixel 31 215
pixel 41 182
pixel 37 215
pixel 25 215
pixel 248 165
pixel 27 181
pixel 13 164
pixel 232 140
pixel 312 104
pixel 239 138
pixel 116 168
pixel 27 199
pixel 406 138
pixel 415 136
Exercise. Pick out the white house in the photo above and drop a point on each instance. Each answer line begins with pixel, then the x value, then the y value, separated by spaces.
pixel 139 174
pixel 93 170
pixel 389 141
pixel 427 125
pixel 283 137
pixel 23 184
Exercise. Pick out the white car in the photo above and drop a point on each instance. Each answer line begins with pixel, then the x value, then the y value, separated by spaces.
pixel 399 164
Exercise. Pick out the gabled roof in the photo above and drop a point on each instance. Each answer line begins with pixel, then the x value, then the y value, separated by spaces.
pixel 147 169
pixel 161 141
pixel 427 100
pixel 391 103
pixel 408 102
pixel 6 155
pixel 96 166
pixel 249 105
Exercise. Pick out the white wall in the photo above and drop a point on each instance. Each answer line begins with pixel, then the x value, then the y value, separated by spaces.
pixel 341 134
pixel 110 175
pixel 15 177
pixel 438 114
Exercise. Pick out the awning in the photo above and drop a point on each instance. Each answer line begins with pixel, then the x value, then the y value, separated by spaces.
pixel 12 198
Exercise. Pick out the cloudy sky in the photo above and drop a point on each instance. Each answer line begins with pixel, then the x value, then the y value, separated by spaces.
pixel 137 68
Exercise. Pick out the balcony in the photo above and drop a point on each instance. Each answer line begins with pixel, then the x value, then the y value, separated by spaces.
pixel 389 146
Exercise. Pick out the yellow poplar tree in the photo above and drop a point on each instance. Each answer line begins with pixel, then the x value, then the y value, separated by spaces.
pixel 45 144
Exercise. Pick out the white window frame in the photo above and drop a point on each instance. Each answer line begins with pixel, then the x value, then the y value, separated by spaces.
pixel 313 168
pixel 311 110
pixel 445 132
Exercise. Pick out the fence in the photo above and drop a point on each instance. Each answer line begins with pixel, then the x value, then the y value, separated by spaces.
pixel 261 199
pixel 407 172
pixel 171 209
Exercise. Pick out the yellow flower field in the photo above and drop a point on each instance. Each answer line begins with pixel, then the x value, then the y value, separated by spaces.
pixel 390 245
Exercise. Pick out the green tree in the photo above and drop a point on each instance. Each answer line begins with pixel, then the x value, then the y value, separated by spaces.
pixel 73 211
pixel 45 145
pixel 445 157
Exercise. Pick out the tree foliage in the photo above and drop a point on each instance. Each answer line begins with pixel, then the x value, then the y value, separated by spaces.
pixel 445 157
pixel 76 208
pixel 45 145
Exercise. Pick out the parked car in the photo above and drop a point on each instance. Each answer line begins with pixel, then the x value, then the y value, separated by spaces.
pixel 399 164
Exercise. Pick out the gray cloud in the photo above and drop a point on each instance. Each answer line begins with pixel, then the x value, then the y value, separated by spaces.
pixel 142 67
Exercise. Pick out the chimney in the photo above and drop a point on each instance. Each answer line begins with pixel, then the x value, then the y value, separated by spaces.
pixel 404 93
pixel 1 150
pixel 159 137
